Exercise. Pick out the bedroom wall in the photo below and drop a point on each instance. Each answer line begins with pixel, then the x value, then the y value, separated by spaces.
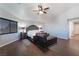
pixel 8 38
pixel 60 27
pixel 12 11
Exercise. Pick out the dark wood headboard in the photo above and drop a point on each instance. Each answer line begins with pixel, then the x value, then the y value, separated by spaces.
pixel 32 27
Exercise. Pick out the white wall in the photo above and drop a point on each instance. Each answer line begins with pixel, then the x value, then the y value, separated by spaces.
pixel 6 13
pixel 8 38
pixel 60 27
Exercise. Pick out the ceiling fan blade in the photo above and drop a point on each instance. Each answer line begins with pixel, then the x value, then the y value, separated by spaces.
pixel 46 8
pixel 40 7
pixel 44 12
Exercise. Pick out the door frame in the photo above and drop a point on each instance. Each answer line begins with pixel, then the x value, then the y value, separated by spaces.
pixel 71 25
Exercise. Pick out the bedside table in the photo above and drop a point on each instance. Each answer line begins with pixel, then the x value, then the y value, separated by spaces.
pixel 23 36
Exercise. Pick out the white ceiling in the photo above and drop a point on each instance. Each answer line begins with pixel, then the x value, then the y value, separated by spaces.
pixel 25 11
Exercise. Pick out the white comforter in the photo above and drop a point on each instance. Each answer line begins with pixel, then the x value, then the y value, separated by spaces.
pixel 32 33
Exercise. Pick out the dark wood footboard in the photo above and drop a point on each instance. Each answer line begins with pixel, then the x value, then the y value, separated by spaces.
pixel 44 42
pixel 52 41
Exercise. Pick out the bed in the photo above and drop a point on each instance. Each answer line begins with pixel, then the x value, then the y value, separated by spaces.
pixel 34 30
pixel 32 33
pixel 40 37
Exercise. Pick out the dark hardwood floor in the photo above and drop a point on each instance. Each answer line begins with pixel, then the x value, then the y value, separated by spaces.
pixel 26 48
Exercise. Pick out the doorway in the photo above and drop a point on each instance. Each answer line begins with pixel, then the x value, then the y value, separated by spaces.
pixel 74 34
pixel 74 28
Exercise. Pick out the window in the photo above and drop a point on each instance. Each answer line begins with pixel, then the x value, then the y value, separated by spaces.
pixel 7 26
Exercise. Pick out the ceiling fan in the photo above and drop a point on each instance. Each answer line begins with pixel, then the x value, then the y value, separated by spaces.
pixel 41 10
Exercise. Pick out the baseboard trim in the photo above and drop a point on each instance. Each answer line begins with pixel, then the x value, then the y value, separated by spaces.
pixel 8 43
pixel 63 38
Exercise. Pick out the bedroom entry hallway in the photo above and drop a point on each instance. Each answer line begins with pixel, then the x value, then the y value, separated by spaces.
pixel 74 34
pixel 74 28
